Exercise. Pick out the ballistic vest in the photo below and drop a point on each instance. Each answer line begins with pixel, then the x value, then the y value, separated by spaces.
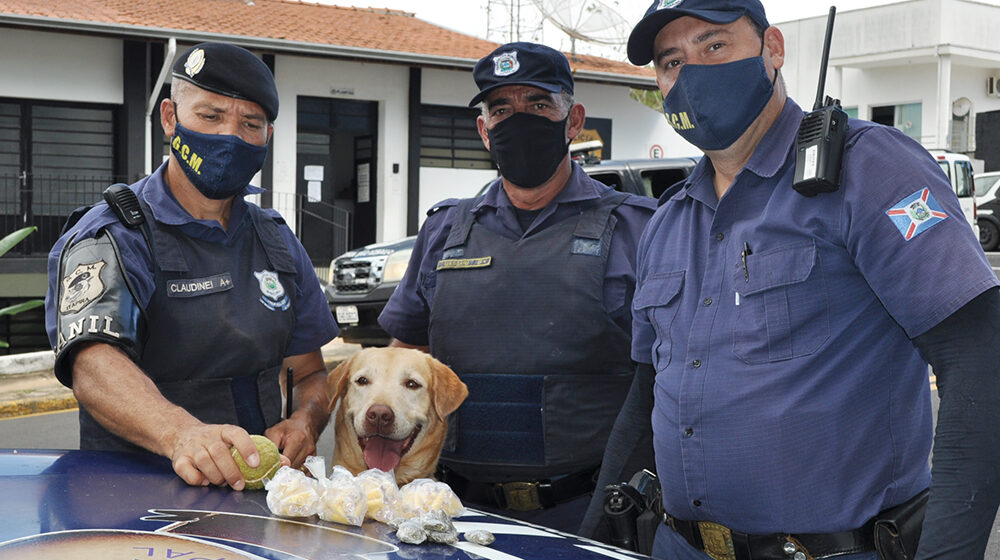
pixel 523 323
pixel 217 326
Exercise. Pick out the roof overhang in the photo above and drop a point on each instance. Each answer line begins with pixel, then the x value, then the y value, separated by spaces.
pixel 290 47
pixel 921 55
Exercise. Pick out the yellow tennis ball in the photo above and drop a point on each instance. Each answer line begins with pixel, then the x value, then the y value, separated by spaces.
pixel 270 462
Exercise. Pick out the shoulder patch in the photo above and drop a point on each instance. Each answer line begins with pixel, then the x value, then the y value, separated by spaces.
pixel 916 214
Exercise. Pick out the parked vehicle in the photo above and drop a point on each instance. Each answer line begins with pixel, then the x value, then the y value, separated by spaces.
pixel 362 280
pixel 987 186
pixel 102 504
pixel 958 169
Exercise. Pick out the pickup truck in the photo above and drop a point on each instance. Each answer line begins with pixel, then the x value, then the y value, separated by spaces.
pixel 361 281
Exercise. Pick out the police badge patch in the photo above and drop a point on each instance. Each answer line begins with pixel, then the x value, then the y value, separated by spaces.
pixel 195 62
pixel 81 287
pixel 505 64
pixel 274 297
pixel 916 214
pixel 664 4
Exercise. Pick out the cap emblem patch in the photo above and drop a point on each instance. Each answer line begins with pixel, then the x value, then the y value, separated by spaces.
pixel 195 62
pixel 81 287
pixel 664 4
pixel 505 64
pixel 916 214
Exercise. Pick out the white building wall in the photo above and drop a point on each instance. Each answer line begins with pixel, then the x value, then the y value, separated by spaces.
pixel 61 67
pixel 317 77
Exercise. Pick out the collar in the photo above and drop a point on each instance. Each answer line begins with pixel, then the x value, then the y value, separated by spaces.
pixel 578 188
pixel 767 159
pixel 168 211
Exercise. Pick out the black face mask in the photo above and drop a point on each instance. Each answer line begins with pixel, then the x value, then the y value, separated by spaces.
pixel 528 148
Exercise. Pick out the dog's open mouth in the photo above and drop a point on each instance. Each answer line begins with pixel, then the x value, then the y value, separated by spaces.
pixel 384 453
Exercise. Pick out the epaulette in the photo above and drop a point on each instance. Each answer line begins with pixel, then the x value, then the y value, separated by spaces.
pixel 640 201
pixel 274 215
pixel 447 203
pixel 669 192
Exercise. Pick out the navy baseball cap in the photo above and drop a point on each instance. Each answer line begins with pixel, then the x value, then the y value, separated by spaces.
pixel 662 12
pixel 231 71
pixel 522 64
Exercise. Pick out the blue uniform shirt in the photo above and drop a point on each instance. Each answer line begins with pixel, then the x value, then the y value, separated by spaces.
pixel 788 395
pixel 314 325
pixel 406 317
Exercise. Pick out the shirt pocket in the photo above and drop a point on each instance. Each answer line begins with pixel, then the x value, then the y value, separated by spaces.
pixel 784 309
pixel 657 299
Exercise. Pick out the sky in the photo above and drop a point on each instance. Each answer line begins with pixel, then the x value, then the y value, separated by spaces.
pixel 469 16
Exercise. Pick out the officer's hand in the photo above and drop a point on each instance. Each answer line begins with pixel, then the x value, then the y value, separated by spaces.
pixel 201 455
pixel 295 438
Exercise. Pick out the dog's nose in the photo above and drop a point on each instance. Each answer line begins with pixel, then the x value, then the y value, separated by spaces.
pixel 380 416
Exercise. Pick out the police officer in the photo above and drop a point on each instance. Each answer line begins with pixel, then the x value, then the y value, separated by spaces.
pixel 172 334
pixel 790 335
pixel 525 292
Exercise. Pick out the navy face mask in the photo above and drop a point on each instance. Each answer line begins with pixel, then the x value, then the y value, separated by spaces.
pixel 218 165
pixel 528 148
pixel 712 105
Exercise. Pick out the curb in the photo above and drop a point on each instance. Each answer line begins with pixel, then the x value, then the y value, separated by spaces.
pixel 26 407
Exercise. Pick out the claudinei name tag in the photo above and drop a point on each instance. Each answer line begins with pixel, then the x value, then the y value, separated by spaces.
pixel 452 264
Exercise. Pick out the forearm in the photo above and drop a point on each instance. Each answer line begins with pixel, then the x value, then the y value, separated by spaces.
pixel 125 401
pixel 964 351
pixel 310 403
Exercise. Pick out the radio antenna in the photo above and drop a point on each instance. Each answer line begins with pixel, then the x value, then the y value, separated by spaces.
pixel 826 59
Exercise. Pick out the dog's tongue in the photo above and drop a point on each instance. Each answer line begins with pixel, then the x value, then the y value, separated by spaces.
pixel 382 453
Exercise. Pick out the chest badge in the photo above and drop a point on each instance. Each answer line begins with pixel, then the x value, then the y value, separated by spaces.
pixel 81 287
pixel 272 292
pixel 916 214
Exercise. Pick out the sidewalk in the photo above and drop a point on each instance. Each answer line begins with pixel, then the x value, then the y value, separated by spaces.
pixel 28 386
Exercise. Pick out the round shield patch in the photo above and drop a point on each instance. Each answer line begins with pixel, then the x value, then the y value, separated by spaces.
pixel 195 62
pixel 505 64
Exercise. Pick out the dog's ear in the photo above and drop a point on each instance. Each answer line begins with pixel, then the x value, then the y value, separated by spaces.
pixel 336 382
pixel 449 391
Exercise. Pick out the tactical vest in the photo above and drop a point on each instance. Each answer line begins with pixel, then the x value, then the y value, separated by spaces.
pixel 218 324
pixel 523 323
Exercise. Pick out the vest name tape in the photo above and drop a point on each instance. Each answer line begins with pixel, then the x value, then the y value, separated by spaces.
pixel 455 264
pixel 199 286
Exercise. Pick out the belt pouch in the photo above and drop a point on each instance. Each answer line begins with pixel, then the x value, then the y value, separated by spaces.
pixel 897 529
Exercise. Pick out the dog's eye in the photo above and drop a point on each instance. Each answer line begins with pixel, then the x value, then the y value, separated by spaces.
pixel 361 380
pixel 411 384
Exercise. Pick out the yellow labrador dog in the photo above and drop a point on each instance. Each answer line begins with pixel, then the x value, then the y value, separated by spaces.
pixel 394 404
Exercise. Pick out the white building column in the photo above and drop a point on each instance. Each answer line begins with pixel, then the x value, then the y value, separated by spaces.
pixel 943 112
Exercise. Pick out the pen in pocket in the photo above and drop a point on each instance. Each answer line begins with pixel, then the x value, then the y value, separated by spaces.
pixel 743 257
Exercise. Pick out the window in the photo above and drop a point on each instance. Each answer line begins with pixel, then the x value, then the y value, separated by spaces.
pixel 449 138
pixel 906 117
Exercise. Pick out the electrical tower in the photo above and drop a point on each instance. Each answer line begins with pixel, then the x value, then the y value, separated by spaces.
pixel 513 20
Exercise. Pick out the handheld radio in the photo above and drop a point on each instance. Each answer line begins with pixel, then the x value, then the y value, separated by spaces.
pixel 819 147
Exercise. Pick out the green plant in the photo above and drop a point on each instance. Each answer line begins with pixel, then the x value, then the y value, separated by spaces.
pixel 651 98
pixel 6 244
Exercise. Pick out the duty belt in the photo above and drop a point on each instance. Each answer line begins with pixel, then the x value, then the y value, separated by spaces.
pixel 722 543
pixel 520 495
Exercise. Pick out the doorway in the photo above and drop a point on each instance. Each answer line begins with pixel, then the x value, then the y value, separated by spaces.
pixel 336 175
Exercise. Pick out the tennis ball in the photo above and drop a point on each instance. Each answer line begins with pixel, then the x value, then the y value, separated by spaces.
pixel 270 462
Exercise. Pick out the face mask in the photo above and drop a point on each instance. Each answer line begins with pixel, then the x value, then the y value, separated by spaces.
pixel 528 148
pixel 218 165
pixel 712 105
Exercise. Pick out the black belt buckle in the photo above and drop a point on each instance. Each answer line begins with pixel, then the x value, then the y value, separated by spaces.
pixel 520 496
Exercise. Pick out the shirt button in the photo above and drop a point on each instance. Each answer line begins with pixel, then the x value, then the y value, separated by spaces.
pixel 688 432
pixel 708 301
pixel 696 363
pixel 696 503
pixel 720 236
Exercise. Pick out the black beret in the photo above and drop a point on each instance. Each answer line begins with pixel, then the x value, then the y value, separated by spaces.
pixel 231 71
